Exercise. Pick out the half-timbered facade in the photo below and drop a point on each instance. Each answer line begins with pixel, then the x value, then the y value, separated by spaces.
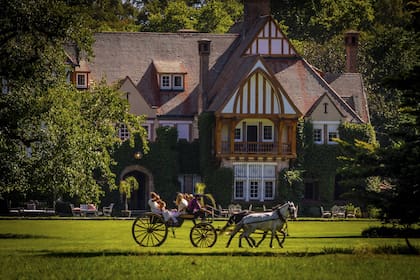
pixel 252 79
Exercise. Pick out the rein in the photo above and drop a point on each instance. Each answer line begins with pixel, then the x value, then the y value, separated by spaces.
pixel 281 218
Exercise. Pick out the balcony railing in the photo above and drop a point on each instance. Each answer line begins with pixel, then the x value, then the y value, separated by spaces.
pixel 256 148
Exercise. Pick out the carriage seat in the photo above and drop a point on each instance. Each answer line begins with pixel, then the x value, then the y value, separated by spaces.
pixel 187 216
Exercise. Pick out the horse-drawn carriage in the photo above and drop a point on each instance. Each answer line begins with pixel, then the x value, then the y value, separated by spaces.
pixel 150 230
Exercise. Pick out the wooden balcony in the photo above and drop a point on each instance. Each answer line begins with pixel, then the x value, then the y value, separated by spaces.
pixel 256 148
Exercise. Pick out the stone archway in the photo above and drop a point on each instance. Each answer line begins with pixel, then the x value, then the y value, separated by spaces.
pixel 144 177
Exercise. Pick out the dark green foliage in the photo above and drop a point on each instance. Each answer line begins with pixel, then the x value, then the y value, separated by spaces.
pixel 206 123
pixel 319 163
pixel 218 180
pixel 189 157
pixel 349 132
pixel 396 166
pixel 32 34
pixel 291 186
pixel 219 184
pixel 163 162
pixel 389 232
pixel 170 16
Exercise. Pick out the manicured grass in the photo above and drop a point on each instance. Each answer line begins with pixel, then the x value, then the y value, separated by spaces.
pixel 87 249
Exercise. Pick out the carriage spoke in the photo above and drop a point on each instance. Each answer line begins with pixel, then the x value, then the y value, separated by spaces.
pixel 149 231
pixel 203 235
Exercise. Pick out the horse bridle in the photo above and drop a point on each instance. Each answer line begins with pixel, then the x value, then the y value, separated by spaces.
pixel 289 208
pixel 280 215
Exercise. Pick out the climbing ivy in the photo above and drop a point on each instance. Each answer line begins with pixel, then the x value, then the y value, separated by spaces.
pixel 318 162
pixel 218 180
pixel 206 124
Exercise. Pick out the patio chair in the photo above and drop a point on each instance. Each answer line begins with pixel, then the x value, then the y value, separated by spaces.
pixel 325 214
pixel 234 209
pixel 107 210
pixel 75 210
pixel 338 211
pixel 88 209
pixel 223 212
pixel 351 213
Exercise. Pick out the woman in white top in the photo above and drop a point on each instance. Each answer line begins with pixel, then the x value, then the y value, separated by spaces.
pixel 181 204
pixel 158 206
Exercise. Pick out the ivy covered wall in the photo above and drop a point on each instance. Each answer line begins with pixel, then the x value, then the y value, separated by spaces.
pixel 162 160
pixel 318 164
pixel 218 180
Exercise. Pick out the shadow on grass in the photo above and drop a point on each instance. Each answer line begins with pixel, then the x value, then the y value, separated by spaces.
pixel 231 254
pixel 391 250
pixel 22 236
pixel 325 237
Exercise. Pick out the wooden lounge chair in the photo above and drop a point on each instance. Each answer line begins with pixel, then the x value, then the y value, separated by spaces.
pixel 75 210
pixel 107 210
pixel 325 214
pixel 338 211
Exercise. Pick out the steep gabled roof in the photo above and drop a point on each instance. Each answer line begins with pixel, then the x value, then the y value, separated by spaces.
pixel 132 54
pixel 350 87
pixel 299 80
pixel 141 56
pixel 305 86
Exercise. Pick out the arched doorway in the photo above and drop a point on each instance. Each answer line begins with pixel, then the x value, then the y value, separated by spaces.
pixel 139 198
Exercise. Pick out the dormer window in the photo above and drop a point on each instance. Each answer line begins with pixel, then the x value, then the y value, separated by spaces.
pixel 171 82
pixel 81 75
pixel 165 82
pixel 178 82
pixel 81 80
pixel 171 75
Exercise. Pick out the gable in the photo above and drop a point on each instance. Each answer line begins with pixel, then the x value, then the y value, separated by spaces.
pixel 271 41
pixel 138 105
pixel 258 96
pixel 325 110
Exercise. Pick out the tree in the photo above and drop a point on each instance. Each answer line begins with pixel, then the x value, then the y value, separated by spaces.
pixel 53 138
pixel 63 145
pixel 173 17
pixel 32 34
pixel 396 164
pixel 204 16
pixel 126 186
pixel 214 17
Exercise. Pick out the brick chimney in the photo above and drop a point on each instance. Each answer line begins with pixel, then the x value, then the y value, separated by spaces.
pixel 254 9
pixel 351 42
pixel 204 53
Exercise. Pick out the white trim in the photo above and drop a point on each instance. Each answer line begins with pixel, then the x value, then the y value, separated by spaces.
pixel 81 85
pixel 325 122
pixel 249 172
pixel 181 87
pixel 263 133
pixel 161 78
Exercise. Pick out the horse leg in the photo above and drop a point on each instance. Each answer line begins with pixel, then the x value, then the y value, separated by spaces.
pixel 273 232
pixel 262 238
pixel 278 240
pixel 230 239
pixel 233 233
pixel 240 240
pixel 250 240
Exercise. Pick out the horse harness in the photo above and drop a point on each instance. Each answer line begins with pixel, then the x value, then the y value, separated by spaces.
pixel 283 219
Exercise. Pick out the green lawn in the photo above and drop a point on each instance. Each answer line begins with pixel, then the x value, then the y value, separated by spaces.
pixel 104 249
